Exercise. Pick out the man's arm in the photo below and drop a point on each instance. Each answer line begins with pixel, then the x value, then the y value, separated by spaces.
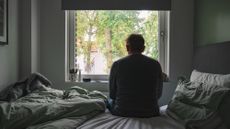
pixel 112 81
pixel 159 82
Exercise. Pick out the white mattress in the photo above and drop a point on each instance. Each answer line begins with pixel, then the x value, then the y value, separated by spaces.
pixel 108 121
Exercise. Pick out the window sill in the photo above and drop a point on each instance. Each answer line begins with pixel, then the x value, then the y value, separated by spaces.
pixel 105 83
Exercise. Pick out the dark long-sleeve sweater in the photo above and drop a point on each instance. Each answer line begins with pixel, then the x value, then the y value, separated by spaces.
pixel 135 86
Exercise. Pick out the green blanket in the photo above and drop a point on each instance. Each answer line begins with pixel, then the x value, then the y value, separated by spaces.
pixel 51 109
pixel 195 102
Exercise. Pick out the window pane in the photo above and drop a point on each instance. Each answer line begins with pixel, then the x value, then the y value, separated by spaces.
pixel 100 37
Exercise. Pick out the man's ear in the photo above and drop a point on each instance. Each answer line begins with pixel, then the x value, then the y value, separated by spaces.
pixel 143 49
pixel 127 48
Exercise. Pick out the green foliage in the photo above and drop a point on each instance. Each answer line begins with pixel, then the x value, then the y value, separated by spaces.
pixel 150 33
pixel 110 29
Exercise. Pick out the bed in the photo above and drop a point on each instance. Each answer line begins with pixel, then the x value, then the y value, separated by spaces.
pixel 33 104
pixel 213 58
pixel 206 60
pixel 108 121
pixel 203 100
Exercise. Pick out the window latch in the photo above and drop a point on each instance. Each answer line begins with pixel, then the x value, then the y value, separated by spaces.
pixel 162 33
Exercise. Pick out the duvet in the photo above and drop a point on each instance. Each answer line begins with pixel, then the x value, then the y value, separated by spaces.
pixel 51 109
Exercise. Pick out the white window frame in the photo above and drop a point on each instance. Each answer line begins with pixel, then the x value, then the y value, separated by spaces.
pixel 163 41
pixel 163 44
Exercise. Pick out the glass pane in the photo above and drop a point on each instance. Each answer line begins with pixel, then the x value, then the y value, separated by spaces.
pixel 100 37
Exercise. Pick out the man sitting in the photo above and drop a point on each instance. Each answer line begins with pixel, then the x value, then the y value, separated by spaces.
pixel 135 82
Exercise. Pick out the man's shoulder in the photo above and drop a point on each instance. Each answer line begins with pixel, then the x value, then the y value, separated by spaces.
pixel 151 59
pixel 122 59
pixel 134 57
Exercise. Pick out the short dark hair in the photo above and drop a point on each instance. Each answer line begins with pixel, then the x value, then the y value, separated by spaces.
pixel 136 42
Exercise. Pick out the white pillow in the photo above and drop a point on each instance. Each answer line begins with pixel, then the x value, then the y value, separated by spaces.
pixel 210 78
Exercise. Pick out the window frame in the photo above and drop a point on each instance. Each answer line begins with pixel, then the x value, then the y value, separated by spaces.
pixel 164 38
pixel 163 45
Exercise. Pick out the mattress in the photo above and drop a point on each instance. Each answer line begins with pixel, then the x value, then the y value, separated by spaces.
pixel 108 121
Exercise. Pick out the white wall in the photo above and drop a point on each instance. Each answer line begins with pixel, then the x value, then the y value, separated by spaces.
pixel 181 42
pixel 35 36
pixel 43 25
pixel 9 53
pixel 25 38
pixel 52 33
pixel 17 59
pixel 29 36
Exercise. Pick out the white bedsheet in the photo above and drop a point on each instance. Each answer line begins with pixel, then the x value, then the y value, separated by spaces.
pixel 108 121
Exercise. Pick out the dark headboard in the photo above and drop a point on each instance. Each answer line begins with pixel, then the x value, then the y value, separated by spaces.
pixel 213 58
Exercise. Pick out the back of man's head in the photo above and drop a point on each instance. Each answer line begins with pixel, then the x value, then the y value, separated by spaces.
pixel 135 42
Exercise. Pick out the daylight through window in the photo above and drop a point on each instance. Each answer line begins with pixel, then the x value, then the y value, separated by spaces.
pixel 97 37
pixel 100 37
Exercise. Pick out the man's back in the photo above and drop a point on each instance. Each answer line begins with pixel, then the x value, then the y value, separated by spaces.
pixel 136 80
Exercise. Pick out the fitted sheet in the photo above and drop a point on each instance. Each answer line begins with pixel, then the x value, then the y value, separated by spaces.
pixel 108 121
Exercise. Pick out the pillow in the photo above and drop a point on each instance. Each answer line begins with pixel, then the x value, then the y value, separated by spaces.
pixel 209 78
pixel 196 102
